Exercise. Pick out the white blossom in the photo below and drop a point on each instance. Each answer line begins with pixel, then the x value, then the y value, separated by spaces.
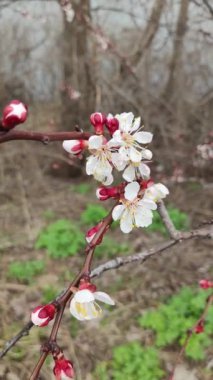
pixel 129 137
pixel 83 305
pixel 156 192
pixel 133 211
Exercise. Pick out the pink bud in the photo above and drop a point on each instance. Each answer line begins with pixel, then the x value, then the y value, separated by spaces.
pixel 206 284
pixel 112 124
pixel 13 114
pixel 199 328
pixel 104 193
pixel 42 315
pixel 63 368
pixel 98 120
pixel 74 146
pixel 92 232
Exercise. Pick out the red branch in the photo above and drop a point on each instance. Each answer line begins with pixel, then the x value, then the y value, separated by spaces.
pixel 50 346
pixel 43 137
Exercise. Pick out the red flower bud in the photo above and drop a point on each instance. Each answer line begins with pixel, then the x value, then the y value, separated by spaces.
pixel 112 124
pixel 13 114
pixel 206 284
pixel 104 193
pixel 199 328
pixel 92 232
pixel 63 368
pixel 98 120
pixel 74 146
pixel 42 315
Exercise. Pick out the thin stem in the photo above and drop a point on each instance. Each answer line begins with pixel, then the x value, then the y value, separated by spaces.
pixel 85 271
pixel 45 137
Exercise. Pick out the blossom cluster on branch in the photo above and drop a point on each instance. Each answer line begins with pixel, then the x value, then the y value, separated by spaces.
pixel 119 144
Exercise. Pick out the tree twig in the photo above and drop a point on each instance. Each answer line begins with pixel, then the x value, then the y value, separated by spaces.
pixel 43 137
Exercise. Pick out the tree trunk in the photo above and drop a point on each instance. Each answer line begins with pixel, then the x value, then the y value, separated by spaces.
pixel 178 48
pixel 77 69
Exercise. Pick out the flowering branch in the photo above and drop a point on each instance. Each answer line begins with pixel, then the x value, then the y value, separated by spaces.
pixel 205 233
pixel 118 143
pixel 50 346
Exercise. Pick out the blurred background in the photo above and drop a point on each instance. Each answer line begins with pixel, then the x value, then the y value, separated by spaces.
pixel 67 59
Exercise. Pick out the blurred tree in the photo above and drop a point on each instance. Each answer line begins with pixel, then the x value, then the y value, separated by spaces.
pixel 77 68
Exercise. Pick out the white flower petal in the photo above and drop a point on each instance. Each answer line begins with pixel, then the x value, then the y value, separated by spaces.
pixel 134 155
pixel 91 164
pixel 124 153
pixel 95 142
pixel 144 170
pixel 125 121
pixel 131 191
pixel 116 138
pixel 146 154
pixel 143 137
pixel 74 312
pixel 129 173
pixel 162 189
pixel 104 297
pixel 136 124
pixel 143 217
pixel 107 180
pixel 126 223
pixel 148 203
pixel 117 212
pixel 83 296
pixel 118 162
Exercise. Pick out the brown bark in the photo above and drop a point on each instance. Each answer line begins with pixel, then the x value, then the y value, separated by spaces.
pixel 150 30
pixel 178 47
pixel 77 68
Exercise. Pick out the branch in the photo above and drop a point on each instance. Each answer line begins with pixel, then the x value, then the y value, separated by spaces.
pixel 50 346
pixel 173 233
pixel 45 138
pixel 205 233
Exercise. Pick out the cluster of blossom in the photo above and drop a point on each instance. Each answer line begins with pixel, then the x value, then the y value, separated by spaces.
pixel 84 307
pixel 122 148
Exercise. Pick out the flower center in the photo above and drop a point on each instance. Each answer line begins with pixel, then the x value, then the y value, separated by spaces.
pixel 128 139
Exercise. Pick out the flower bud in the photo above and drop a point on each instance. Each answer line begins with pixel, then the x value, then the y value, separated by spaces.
pixel 92 232
pixel 42 315
pixel 13 114
pixel 98 120
pixel 206 284
pixel 74 146
pixel 199 328
pixel 103 193
pixel 63 368
pixel 112 124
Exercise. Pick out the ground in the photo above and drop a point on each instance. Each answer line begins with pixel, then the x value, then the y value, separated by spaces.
pixel 32 192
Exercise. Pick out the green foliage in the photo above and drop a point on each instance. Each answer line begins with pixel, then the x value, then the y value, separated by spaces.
pixel 131 361
pixel 179 218
pixel 93 214
pixel 48 294
pixel 61 239
pixel 24 271
pixel 82 188
pixel 171 321
pixel 109 248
